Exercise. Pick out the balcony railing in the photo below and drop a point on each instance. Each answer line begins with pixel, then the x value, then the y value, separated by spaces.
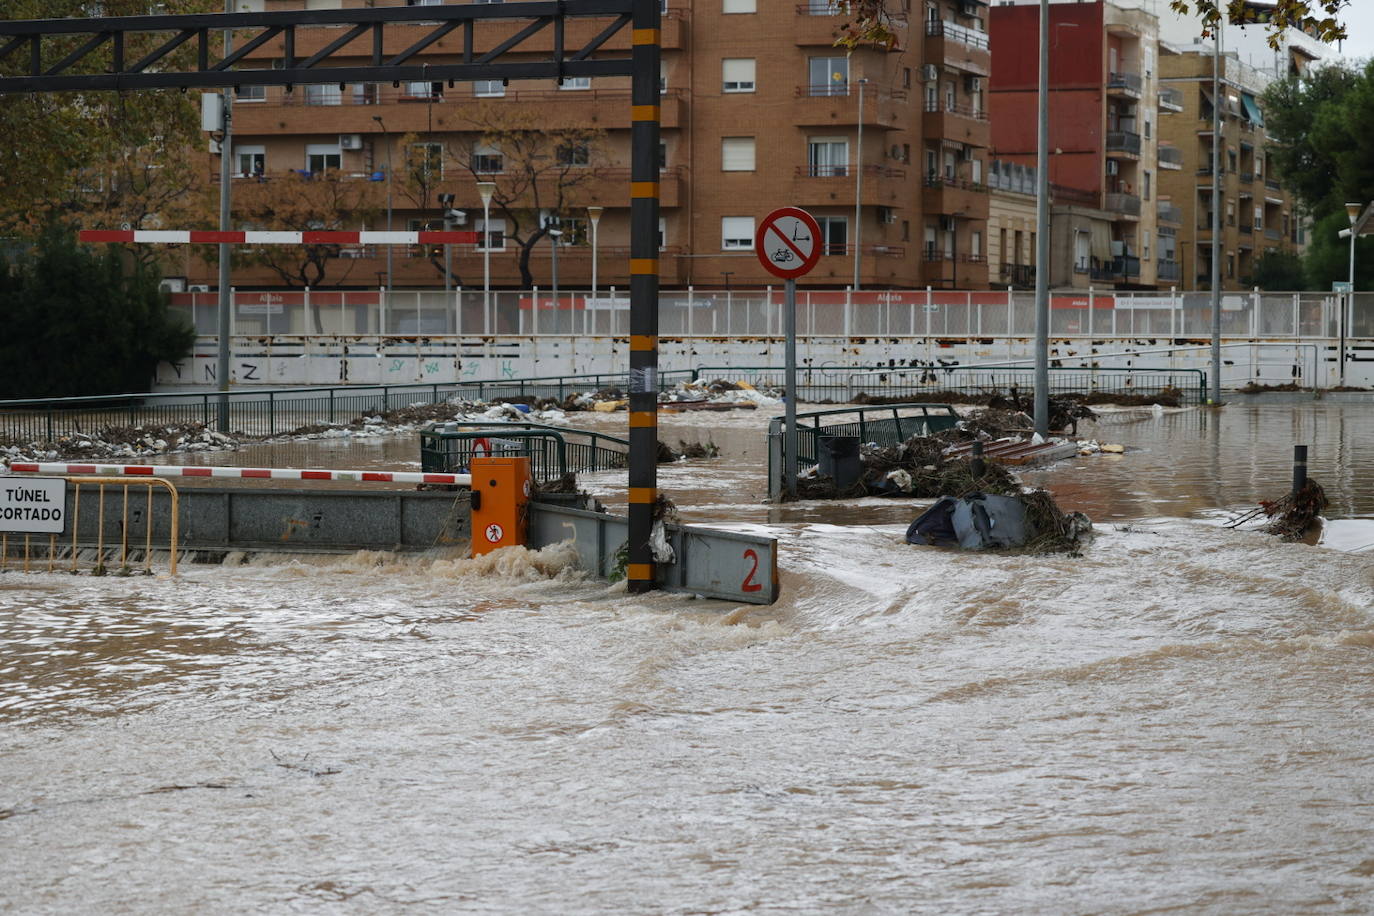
pixel 1128 81
pixel 1062 194
pixel 1018 274
pixel 1123 141
pixel 1272 185
pixel 1171 156
pixel 1168 270
pixel 963 111
pixel 939 181
pixel 1170 214
pixel 1274 235
pixel 844 171
pixel 955 32
pixel 1171 100
pixel 1123 203
pixel 1246 229
pixel 817 8
pixel 1247 177
pixel 842 90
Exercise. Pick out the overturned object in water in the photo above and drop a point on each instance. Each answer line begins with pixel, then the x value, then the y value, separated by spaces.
pixel 973 522
pixel 981 521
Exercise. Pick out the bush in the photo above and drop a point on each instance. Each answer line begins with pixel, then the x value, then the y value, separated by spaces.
pixel 81 322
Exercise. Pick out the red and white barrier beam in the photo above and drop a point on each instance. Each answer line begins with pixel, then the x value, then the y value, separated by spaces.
pixel 184 237
pixel 158 470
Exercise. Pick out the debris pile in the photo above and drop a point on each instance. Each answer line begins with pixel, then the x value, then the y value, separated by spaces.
pixel 1293 516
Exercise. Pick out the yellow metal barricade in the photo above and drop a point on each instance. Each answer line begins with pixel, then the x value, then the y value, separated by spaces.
pixel 32 559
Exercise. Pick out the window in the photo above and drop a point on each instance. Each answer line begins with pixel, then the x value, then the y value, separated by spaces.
pixel 932 164
pixel 906 230
pixel 1145 245
pixel 829 76
pixel 320 157
pixel 575 82
pixel 420 90
pixel 427 162
pixel 493 235
pixel 1145 185
pixel 487 160
pixel 827 157
pixel 737 154
pixel 662 155
pixel 738 6
pixel 576 231
pixel 488 89
pixel 951 96
pixel 950 165
pixel 975 246
pixel 1230 213
pixel 932 97
pixel 574 153
pixel 662 77
pixel 323 4
pixel 365 93
pixel 323 94
pixel 1259 217
pixel 1082 251
pixel 250 161
pixel 977 171
pixel 906 77
pixel 251 94
pixel 737 74
pixel 662 233
pixel 1147 128
pixel 834 234
pixel 930 242
pixel 736 233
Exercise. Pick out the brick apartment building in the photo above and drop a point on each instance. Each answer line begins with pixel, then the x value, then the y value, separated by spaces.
pixel 759 110
pixel 1259 215
pixel 1102 117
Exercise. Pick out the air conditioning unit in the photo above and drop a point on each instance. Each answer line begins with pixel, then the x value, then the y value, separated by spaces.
pixel 973 83
pixel 350 141
pixel 930 73
pixel 1113 167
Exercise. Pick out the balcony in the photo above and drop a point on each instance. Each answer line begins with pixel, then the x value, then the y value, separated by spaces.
pixel 1128 204
pixel 833 105
pixel 1272 185
pixel 1170 157
pixel 1247 177
pixel 817 24
pixel 1273 235
pixel 1170 100
pixel 1123 141
pixel 1018 275
pixel 1168 270
pixel 960 123
pixel 1246 229
pixel 1062 194
pixel 832 185
pixel 958 47
pixel 963 271
pixel 1120 268
pixel 952 196
pixel 409 110
pixel 1170 215
pixel 1124 84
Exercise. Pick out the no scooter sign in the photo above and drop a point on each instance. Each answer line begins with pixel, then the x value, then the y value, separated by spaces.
pixel 788 243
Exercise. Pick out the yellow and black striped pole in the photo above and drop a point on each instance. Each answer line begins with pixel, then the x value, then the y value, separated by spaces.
pixel 643 381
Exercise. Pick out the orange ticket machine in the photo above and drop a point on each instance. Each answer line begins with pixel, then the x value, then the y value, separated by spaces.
pixel 501 490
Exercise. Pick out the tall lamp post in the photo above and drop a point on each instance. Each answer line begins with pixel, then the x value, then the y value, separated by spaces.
pixel 555 236
pixel 1352 210
pixel 858 188
pixel 486 189
pixel 1042 237
pixel 594 215
pixel 386 138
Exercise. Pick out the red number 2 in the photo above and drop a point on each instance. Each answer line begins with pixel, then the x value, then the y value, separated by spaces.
pixel 749 584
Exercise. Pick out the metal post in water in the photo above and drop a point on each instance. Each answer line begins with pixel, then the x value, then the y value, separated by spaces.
pixel 226 302
pixel 1299 467
pixel 977 465
pixel 789 460
pixel 1042 239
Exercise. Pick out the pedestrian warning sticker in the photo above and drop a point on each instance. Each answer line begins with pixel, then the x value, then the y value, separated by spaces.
pixel 495 533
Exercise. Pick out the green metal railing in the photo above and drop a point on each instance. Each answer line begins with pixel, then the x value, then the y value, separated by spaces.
pixel 890 424
pixel 553 451
pixel 275 411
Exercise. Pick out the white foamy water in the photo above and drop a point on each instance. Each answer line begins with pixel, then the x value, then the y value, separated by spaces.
pixel 1179 719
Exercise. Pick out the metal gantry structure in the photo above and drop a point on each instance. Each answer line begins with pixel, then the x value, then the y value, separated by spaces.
pixel 89 54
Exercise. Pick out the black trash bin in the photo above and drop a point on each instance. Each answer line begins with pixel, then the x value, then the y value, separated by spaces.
pixel 838 457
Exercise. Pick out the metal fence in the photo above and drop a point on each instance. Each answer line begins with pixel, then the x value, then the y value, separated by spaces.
pixel 884 426
pixel 553 451
pixel 759 313
pixel 272 412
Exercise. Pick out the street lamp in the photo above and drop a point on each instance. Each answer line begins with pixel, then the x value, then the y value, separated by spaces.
pixel 594 215
pixel 486 189
pixel 555 234
pixel 1352 210
pixel 858 188
pixel 386 138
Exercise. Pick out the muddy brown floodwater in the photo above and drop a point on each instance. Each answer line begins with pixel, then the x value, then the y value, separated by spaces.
pixel 1178 720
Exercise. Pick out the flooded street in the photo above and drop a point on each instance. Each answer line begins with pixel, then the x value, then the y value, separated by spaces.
pixel 1178 720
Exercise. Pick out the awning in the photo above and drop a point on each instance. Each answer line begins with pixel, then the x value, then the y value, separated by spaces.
pixel 1101 241
pixel 1252 109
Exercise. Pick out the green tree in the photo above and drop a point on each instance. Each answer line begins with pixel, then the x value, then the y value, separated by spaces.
pixel 81 322
pixel 1279 270
pixel 1328 255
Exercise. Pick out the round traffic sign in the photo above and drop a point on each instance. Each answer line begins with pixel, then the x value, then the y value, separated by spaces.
pixel 788 242
pixel 495 533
